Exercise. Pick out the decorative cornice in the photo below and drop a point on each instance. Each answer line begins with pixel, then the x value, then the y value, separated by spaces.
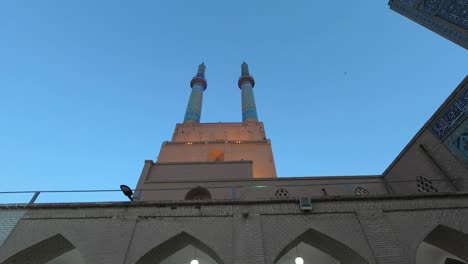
pixel 246 79
pixel 200 80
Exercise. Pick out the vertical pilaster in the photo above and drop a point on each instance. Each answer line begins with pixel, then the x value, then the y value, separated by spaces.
pixel 194 107
pixel 9 218
pixel 383 239
pixel 247 244
pixel 246 84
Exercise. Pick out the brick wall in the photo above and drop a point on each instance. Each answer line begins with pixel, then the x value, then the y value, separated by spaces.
pixel 374 229
pixel 8 220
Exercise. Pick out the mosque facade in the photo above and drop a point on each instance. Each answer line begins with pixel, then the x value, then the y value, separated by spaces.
pixel 448 18
pixel 213 196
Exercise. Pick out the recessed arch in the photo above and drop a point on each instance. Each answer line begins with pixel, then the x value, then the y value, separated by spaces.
pixel 55 249
pixel 335 249
pixel 177 243
pixel 216 155
pixel 198 193
pixel 443 243
pixel 452 261
pixel 360 191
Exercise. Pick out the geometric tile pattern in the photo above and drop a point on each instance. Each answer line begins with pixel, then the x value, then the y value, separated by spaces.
pixel 448 18
pixel 455 11
pixel 249 109
pixel 457 142
pixel 425 185
pixel 281 193
pixel 194 106
pixel 453 117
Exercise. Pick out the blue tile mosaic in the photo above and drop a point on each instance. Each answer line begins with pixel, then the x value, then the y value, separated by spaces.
pixel 453 117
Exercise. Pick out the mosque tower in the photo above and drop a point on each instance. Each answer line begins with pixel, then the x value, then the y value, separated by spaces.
pixel 211 151
pixel 246 83
pixel 194 107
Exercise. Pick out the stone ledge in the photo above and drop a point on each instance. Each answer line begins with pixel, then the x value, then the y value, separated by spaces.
pixel 232 202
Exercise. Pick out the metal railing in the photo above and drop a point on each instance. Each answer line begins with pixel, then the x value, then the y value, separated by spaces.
pixel 236 191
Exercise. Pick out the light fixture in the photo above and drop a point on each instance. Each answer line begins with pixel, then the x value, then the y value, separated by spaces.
pixel 298 260
pixel 194 261
pixel 127 191
pixel 305 204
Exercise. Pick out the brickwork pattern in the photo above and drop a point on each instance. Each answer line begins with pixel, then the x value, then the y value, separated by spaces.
pixel 174 244
pixel 42 252
pixel 8 221
pixel 280 230
pixel 382 238
pixel 428 156
pixel 383 231
pixel 151 232
pixel 247 237
pixel 413 227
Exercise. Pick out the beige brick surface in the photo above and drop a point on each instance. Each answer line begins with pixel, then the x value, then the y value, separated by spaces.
pixel 381 230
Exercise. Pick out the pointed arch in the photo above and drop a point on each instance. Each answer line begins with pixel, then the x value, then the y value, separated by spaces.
pixel 174 244
pixel 452 261
pixel 446 240
pixel 46 251
pixel 327 245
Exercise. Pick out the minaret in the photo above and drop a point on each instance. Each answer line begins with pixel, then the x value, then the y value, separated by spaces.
pixel 246 84
pixel 194 107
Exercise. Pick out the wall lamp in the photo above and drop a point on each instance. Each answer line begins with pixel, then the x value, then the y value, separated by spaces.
pixel 127 191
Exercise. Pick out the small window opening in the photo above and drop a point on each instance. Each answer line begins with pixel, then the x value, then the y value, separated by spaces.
pixel 425 185
pixel 324 192
pixel 360 191
pixel 281 193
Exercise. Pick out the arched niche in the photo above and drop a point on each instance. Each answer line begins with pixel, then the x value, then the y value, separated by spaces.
pixel 53 250
pixel 198 193
pixel 443 245
pixel 181 248
pixel 316 247
pixel 453 261
pixel 216 155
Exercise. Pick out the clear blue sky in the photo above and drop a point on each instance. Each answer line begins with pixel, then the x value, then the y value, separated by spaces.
pixel 90 89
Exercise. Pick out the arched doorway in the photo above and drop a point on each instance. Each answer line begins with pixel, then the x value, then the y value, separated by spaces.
pixel 53 250
pixel 182 248
pixel 315 247
pixel 443 245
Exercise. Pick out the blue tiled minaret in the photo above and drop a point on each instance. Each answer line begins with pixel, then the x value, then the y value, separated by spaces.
pixel 194 107
pixel 246 84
